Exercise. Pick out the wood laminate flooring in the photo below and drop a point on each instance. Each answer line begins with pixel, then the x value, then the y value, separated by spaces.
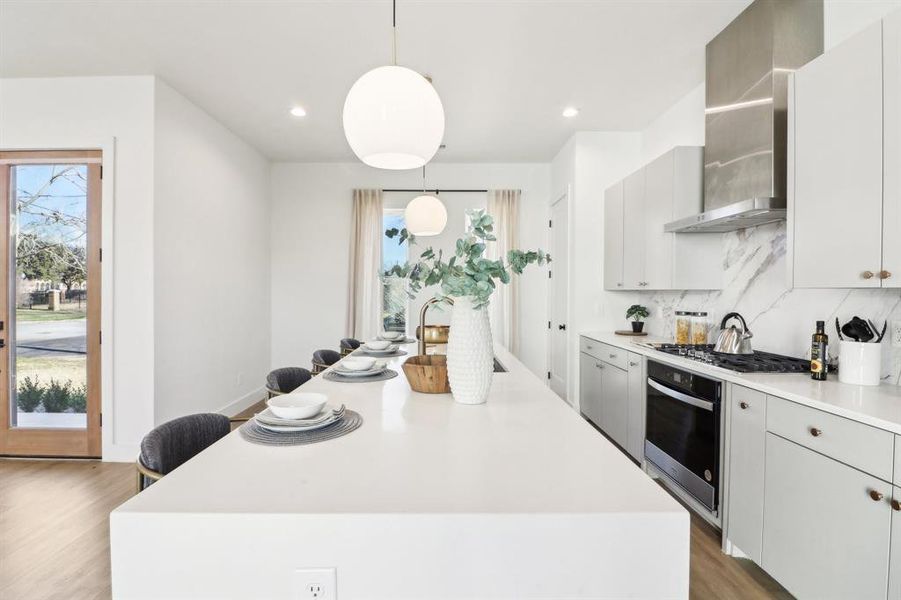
pixel 54 536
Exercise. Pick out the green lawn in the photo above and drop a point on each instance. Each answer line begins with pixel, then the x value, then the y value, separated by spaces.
pixel 63 368
pixel 42 314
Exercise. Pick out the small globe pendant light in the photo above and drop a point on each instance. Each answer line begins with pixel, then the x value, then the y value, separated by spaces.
pixel 393 117
pixel 425 215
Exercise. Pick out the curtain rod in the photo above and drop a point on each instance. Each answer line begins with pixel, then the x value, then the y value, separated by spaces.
pixel 437 191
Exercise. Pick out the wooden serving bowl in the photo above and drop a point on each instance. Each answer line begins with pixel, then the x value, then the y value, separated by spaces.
pixel 427 373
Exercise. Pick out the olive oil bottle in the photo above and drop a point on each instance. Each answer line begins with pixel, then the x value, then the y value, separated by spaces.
pixel 819 357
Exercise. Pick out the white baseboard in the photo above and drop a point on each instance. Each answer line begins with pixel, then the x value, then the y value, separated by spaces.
pixel 243 403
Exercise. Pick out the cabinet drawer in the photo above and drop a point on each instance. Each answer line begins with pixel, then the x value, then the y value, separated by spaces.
pixel 897 477
pixel 605 352
pixel 861 446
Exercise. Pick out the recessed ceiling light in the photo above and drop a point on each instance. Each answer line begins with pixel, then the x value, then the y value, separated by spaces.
pixel 570 112
pixel 298 111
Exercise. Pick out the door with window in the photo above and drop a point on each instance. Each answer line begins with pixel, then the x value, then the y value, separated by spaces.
pixel 50 303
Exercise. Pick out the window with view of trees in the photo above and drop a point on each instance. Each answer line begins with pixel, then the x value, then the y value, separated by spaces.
pixel 394 297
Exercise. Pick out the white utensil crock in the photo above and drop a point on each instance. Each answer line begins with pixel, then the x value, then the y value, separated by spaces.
pixel 859 363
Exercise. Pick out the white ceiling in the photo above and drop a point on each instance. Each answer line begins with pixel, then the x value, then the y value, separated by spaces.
pixel 504 69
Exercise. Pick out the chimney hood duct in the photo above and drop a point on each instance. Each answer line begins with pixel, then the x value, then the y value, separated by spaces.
pixel 745 119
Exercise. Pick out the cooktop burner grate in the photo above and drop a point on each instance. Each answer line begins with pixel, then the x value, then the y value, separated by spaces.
pixel 759 362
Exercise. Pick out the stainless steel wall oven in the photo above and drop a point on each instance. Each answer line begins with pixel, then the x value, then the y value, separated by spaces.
pixel 683 430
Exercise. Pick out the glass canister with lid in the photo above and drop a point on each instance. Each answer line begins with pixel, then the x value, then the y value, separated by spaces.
pixel 700 328
pixel 683 327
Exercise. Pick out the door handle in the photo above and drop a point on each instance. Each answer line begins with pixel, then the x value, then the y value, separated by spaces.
pixel 703 404
pixel 562 327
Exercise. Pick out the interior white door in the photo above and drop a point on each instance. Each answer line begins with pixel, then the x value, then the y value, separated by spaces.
pixel 559 283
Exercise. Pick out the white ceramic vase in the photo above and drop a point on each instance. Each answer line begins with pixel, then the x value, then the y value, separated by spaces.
pixel 470 353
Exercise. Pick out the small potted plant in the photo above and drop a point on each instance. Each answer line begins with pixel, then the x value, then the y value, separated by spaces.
pixel 637 312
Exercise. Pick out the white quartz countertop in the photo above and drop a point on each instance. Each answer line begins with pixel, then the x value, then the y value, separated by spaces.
pixel 879 406
pixel 524 451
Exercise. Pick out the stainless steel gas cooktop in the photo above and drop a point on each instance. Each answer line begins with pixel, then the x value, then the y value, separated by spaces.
pixel 759 362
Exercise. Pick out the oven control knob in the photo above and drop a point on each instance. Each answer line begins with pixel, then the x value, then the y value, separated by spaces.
pixel 708 475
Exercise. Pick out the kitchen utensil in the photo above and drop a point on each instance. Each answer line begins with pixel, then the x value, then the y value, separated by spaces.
pixel 732 340
pixel 882 333
pixel 838 329
pixel 875 329
pixel 858 330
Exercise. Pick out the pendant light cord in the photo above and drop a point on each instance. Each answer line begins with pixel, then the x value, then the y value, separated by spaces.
pixel 394 30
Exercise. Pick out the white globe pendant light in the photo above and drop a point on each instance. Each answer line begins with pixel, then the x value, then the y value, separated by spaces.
pixel 425 215
pixel 393 118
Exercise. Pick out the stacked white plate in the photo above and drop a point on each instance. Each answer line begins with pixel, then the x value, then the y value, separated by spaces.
pixel 343 370
pixel 390 349
pixel 328 415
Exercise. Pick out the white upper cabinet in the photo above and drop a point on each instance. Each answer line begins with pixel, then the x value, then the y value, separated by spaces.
pixel 658 211
pixel 836 204
pixel 891 193
pixel 613 237
pixel 634 230
pixel 638 253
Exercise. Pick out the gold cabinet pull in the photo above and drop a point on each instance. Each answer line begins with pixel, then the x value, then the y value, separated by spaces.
pixel 816 432
pixel 876 496
pixel 867 274
pixel 896 505
pixel 743 405
pixel 884 274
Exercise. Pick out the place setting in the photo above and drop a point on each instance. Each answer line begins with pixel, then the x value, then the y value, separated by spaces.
pixel 396 337
pixel 379 348
pixel 360 369
pixel 300 418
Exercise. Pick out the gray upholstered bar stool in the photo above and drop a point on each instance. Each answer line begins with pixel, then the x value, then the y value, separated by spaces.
pixel 323 359
pixel 348 345
pixel 286 379
pixel 172 444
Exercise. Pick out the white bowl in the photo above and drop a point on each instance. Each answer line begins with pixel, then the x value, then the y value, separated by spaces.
pixel 392 335
pixel 378 344
pixel 297 405
pixel 358 363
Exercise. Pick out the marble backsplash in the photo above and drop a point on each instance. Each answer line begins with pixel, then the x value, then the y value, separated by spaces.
pixel 781 319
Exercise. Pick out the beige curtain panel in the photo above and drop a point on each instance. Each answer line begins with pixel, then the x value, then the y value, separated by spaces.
pixel 503 205
pixel 364 292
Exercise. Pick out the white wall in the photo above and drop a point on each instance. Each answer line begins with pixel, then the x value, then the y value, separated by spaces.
pixel 91 112
pixel 211 263
pixel 587 165
pixel 311 212
pixel 843 18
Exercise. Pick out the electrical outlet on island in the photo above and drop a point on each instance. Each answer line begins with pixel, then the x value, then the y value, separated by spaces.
pixel 316 584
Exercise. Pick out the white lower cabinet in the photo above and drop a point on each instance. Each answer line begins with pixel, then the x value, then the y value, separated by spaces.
pixel 894 570
pixel 590 387
pixel 637 402
pixel 747 434
pixel 827 526
pixel 611 393
pixel 615 404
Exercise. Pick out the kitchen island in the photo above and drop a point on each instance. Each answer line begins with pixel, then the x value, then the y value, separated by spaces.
pixel 516 498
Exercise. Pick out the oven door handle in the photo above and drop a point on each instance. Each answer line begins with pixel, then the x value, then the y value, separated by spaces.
pixel 706 405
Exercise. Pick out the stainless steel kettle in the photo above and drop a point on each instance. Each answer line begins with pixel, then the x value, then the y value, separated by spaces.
pixel 731 340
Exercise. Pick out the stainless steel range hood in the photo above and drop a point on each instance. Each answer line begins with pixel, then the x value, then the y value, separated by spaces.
pixel 748 65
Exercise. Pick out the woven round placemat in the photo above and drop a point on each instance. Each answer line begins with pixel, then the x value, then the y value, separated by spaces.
pixel 252 432
pixel 335 376
pixel 362 352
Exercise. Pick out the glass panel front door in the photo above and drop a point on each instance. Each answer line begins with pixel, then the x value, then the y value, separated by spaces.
pixel 52 270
